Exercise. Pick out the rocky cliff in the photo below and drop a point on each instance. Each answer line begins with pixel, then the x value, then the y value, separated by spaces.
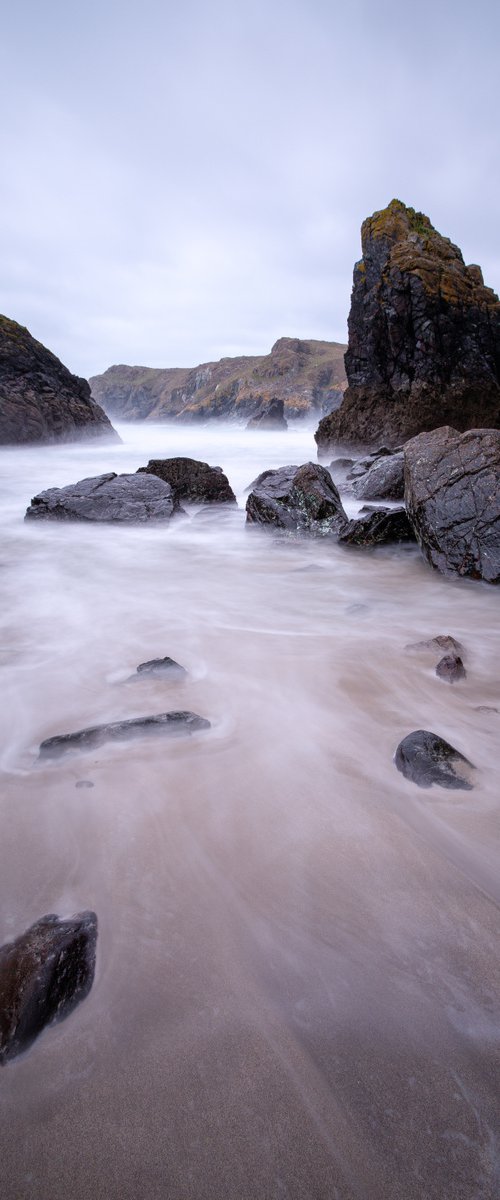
pixel 308 376
pixel 40 400
pixel 424 337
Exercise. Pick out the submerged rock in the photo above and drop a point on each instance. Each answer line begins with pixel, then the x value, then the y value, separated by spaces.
pixel 443 641
pixel 44 974
pixel 192 480
pixel 270 416
pixel 160 666
pixel 451 668
pixel 424 338
pixel 426 758
pixel 378 528
pixel 452 495
pixel 300 499
pixel 111 497
pixel 40 400
pixel 170 724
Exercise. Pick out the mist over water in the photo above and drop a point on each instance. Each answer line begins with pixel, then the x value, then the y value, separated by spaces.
pixel 298 981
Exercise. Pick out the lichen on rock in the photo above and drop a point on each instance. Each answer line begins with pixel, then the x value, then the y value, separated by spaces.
pixel 424 338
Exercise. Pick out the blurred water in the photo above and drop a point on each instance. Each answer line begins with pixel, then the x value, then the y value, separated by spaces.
pixel 297 991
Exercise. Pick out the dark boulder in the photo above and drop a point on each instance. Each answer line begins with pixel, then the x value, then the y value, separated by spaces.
pixel 170 724
pixel 40 400
pixel 377 528
pixel 192 480
pixel 426 758
pixel 451 668
pixel 298 499
pixel 452 496
pixel 44 974
pixel 116 498
pixel 424 338
pixel 383 478
pixel 271 415
pixel 160 666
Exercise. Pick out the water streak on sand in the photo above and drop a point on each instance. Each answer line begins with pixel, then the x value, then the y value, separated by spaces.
pixel 298 979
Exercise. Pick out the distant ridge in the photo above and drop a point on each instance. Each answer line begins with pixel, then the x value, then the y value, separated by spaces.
pixel 308 375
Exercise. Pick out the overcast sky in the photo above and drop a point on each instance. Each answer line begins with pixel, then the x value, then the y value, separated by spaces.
pixel 186 181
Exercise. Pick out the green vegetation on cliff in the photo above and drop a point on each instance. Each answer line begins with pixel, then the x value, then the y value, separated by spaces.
pixel 309 376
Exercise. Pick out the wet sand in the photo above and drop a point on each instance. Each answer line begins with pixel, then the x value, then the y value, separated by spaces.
pixel 297 988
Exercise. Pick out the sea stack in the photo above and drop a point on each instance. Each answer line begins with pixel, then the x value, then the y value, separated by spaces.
pixel 40 400
pixel 424 338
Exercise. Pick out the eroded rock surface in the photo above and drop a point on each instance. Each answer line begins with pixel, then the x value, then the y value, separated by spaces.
pixel 44 974
pixel 300 499
pixel 452 495
pixel 192 480
pixel 117 498
pixel 40 400
pixel 424 338
pixel 170 724
pixel 426 758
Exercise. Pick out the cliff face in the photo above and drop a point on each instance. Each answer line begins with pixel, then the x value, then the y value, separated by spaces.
pixel 308 376
pixel 40 400
pixel 424 337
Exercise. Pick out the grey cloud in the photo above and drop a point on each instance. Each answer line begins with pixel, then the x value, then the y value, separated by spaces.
pixel 182 182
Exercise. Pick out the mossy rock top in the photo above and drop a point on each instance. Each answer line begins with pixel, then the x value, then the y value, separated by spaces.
pixel 415 248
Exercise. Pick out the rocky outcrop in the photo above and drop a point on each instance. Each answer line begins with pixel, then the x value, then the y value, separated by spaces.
pixel 44 974
pixel 192 480
pixel 270 416
pixel 40 400
pixel 170 724
pixel 308 376
pixel 426 758
pixel 452 495
pixel 297 499
pixel 424 338
pixel 117 498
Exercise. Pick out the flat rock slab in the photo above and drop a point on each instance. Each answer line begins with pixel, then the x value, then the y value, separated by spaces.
pixel 452 495
pixel 298 499
pixel 44 974
pixel 170 724
pixel 160 666
pixel 115 498
pixel 192 480
pixel 443 641
pixel 426 758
